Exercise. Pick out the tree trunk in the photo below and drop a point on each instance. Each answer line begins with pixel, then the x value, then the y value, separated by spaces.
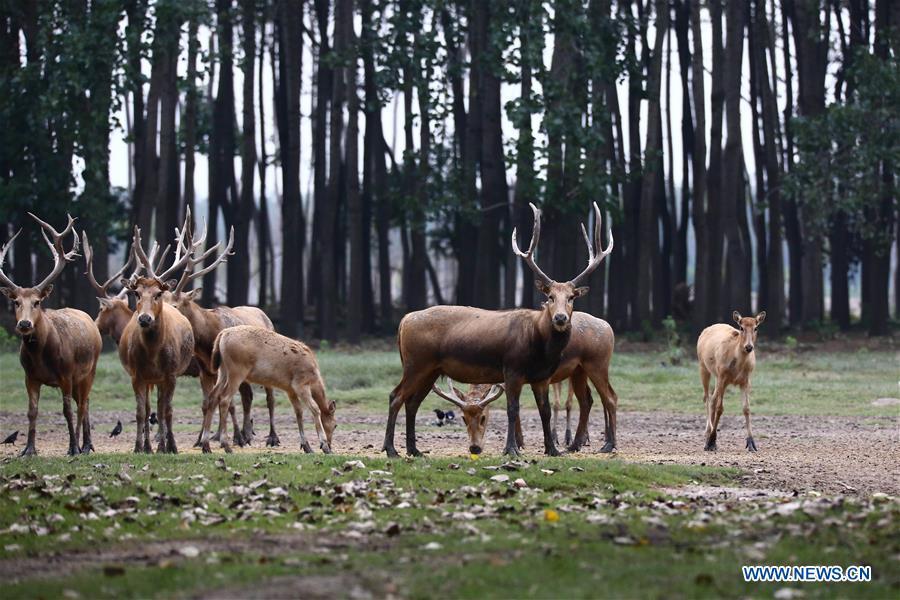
pixel 648 228
pixel 358 272
pixel 190 116
pixel 698 158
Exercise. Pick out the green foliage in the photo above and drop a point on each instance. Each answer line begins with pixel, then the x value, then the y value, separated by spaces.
pixel 842 152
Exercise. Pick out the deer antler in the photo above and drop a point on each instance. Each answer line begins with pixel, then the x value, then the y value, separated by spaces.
pixel 60 256
pixel 103 289
pixel 529 255
pixel 495 392
pixel 3 278
pixel 179 261
pixel 595 257
pixel 450 395
pixel 189 274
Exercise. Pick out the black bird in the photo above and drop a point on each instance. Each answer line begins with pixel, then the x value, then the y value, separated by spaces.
pixel 153 419
pixel 449 417
pixel 116 430
pixel 441 415
pixel 11 438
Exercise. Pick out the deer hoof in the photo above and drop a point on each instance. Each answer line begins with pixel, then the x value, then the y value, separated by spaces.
pixel 608 447
pixel 238 439
pixel 326 449
pixel 248 436
pixel 73 451
pixel 28 451
pixel 205 449
pixel 413 452
pixel 568 436
pixel 751 445
pixel 87 448
pixel 710 447
pixel 306 447
pixel 512 452
pixel 272 441
pixel 391 452
pixel 552 451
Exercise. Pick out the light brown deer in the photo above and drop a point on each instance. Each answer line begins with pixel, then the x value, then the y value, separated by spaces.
pixel 727 353
pixel 258 355
pixel 59 348
pixel 474 407
pixel 207 324
pixel 585 358
pixel 155 348
pixel 472 345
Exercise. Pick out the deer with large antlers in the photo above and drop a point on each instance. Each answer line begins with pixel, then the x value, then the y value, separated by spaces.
pixel 59 348
pixel 472 345
pixel 156 346
pixel 207 324
pixel 585 358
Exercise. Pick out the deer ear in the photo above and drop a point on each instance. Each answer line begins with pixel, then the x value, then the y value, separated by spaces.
pixel 46 291
pixel 172 283
pixel 8 292
pixel 541 286
pixel 581 291
pixel 194 293
pixel 104 302
pixel 126 283
pixel 737 317
pixel 760 317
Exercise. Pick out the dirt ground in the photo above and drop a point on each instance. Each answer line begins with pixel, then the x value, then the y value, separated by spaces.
pixel 848 455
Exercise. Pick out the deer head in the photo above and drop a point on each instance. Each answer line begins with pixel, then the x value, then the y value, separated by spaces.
pixel 561 296
pixel 27 300
pixel 474 406
pixel 749 327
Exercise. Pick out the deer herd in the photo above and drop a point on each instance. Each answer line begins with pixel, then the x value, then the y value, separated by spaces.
pixel 162 333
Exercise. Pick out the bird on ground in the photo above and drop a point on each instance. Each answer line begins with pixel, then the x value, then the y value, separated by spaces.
pixel 116 430
pixel 153 419
pixel 440 417
pixel 449 417
pixel 11 438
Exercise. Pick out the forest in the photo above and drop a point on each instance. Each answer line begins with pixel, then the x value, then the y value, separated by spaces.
pixel 374 156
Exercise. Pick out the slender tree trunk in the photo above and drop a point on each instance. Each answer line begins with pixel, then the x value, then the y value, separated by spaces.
pixel 262 216
pixel 700 214
pixel 190 116
pixel 358 272
pixel 324 88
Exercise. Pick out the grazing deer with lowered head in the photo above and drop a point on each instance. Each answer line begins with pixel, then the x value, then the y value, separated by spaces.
pixel 258 355
pixel 586 358
pixel 59 348
pixel 155 348
pixel 472 345
pixel 474 407
pixel 207 324
pixel 727 353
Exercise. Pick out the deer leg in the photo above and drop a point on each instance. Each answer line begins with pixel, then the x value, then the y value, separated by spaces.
pixel 306 394
pixel 207 381
pixel 80 414
pixel 170 443
pixel 140 416
pixel 610 401
pixel 520 439
pixel 513 389
pixel 556 391
pixel 162 446
pixel 412 407
pixel 569 414
pixel 66 389
pixel 579 386
pixel 298 413
pixel 745 393
pixel 246 403
pixel 87 445
pixel 398 398
pixel 34 395
pixel 146 435
pixel 272 440
pixel 543 392
pixel 716 405
pixel 224 407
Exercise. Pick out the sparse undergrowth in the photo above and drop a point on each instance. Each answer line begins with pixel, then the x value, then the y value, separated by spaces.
pixel 421 528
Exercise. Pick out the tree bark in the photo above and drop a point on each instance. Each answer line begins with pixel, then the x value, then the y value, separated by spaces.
pixel 358 272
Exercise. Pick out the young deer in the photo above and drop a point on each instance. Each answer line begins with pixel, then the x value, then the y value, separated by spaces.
pixel 59 348
pixel 474 406
pixel 258 355
pixel 728 354
pixel 207 324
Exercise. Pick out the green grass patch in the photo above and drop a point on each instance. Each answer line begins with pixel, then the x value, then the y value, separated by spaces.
pixel 806 384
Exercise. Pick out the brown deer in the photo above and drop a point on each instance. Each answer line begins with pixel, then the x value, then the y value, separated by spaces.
pixel 207 324
pixel 586 358
pixel 728 354
pixel 473 345
pixel 474 407
pixel 258 355
pixel 59 347
pixel 155 348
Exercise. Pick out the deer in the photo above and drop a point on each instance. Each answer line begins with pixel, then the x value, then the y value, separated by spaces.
pixel 473 345
pixel 156 346
pixel 60 347
pixel 585 358
pixel 247 353
pixel 207 324
pixel 727 353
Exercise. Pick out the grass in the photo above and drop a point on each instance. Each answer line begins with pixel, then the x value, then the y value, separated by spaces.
pixel 458 532
pixel 808 384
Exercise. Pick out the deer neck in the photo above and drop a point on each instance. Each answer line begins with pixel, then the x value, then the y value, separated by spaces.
pixel 555 341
